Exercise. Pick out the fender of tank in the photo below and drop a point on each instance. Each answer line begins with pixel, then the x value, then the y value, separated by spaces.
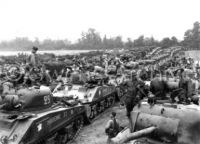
pixel 55 122
pixel 176 124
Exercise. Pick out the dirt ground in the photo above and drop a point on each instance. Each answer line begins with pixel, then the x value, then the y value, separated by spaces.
pixel 95 132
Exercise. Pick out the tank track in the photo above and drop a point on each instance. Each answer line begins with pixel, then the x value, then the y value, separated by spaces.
pixel 76 135
pixel 56 134
pixel 98 114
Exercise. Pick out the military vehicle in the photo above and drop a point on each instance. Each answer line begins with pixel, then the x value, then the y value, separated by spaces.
pixel 32 116
pixel 162 124
pixel 95 95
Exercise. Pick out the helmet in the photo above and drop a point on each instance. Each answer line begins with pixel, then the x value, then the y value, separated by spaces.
pixel 34 48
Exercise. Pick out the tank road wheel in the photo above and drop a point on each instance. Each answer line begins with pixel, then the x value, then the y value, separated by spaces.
pixel 118 91
pixel 102 105
pixel 106 103
pixel 68 134
pixel 89 112
pixel 95 110
pixel 98 108
pixel 65 134
pixel 112 100
pixel 92 115
pixel 50 140
pixel 79 122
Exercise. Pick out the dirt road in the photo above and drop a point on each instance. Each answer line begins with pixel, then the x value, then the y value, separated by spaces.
pixel 95 132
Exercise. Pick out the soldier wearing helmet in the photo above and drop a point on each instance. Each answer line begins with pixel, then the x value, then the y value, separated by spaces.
pixel 33 59
pixel 131 92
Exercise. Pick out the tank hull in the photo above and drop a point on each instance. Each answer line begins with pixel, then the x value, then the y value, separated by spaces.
pixel 96 99
pixel 41 126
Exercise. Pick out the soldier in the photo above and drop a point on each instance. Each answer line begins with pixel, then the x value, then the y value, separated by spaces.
pixel 142 74
pixel 131 94
pixel 112 127
pixel 33 59
pixel 185 84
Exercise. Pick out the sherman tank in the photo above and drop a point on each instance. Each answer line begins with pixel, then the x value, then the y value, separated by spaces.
pixel 162 124
pixel 95 95
pixel 32 116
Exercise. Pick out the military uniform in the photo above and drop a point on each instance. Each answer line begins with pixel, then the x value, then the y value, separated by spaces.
pixel 112 128
pixel 33 59
pixel 186 87
pixel 131 94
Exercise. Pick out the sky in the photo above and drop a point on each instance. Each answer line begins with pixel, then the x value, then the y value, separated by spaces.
pixel 66 19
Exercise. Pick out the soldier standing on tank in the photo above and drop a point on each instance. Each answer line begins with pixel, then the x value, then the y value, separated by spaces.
pixel 33 65
pixel 33 59
pixel 112 127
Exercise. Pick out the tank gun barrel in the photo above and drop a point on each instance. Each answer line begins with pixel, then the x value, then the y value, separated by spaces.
pixel 175 123
pixel 133 136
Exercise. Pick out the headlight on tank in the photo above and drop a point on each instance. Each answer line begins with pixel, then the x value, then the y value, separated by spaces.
pixel 75 97
pixel 85 99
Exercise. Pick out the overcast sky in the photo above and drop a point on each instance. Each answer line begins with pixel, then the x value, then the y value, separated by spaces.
pixel 60 19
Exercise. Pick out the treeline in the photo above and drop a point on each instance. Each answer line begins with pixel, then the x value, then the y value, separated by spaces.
pixel 92 40
pixel 192 37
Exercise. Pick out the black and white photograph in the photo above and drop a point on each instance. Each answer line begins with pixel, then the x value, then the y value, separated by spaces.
pixel 99 72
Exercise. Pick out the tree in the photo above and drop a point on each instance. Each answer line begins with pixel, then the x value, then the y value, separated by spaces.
pixel 192 37
pixel 174 40
pixel 118 42
pixel 139 42
pixel 129 43
pixel 166 42
pixel 90 39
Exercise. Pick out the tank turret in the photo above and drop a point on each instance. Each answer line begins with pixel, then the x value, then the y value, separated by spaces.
pixel 34 98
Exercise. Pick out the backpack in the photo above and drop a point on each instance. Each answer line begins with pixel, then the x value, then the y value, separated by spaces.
pixel 114 130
